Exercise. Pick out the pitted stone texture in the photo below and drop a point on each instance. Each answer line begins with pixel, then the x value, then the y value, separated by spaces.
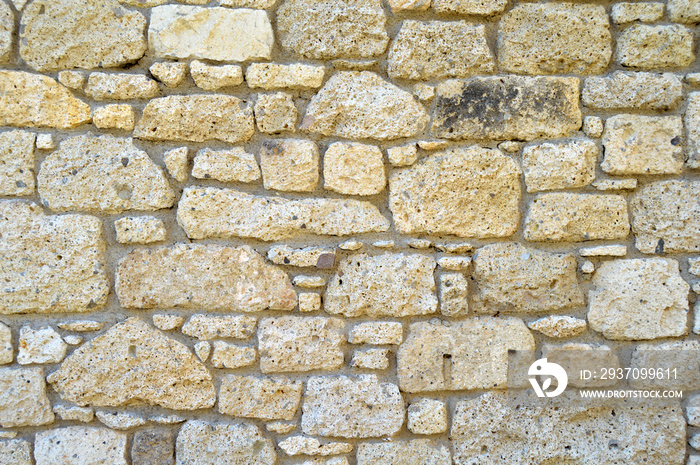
pixel 80 445
pixel 636 144
pixel 643 91
pixel 649 47
pixel 453 290
pixel 403 155
pixel 196 118
pixel 576 357
pixel 275 113
pixel 232 165
pixel 415 452
pixel 16 452
pixel 559 326
pixel 666 217
pixel 607 431
pixel 292 343
pixel 377 333
pixel 278 76
pixel 102 174
pixel 319 257
pixel 228 326
pixel 209 77
pixel 289 165
pixel 625 12
pixel 139 230
pixel 427 416
pixel 683 356
pixel 255 397
pixel 176 161
pixel 514 278
pixel 226 213
pixel 467 192
pixel 576 217
pixel 692 127
pixel 17 163
pixel 153 446
pixel 119 420
pixel 351 407
pixel 684 11
pixel 470 7
pixel 332 28
pixel 170 74
pixel 227 355
pixel 6 352
pixel 437 50
pixel 468 354
pixel 23 400
pixel 104 86
pixel 198 276
pixel 114 117
pixel 7 30
pixel 203 443
pixel 390 284
pixel 302 445
pixel 42 345
pixel 639 299
pixel 73 413
pixel 408 5
pixel 138 364
pixel 262 4
pixel 38 101
pixel 222 34
pixel 359 105
pixel 508 107
pixel 559 165
pixel 555 38
pixel 50 264
pixel 354 169
pixel 371 359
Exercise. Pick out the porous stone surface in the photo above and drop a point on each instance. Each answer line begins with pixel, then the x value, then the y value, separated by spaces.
pixel 625 12
pixel 221 34
pixel 153 446
pixel 121 86
pixel 302 445
pixel 427 416
pixel 227 355
pixel 640 90
pixel 636 144
pixel 376 333
pixel 470 7
pixel 401 285
pixel 176 162
pixel 682 356
pixel 292 343
pixel 684 11
pixel 23 400
pixel 275 113
pixel 576 217
pixel 559 165
pixel 209 277
pixel 486 108
pixel 453 291
pixel 120 420
pixel 80 445
pixel 692 127
pixel 651 47
pixel 139 230
pixel 212 212
pixel 412 452
pixel 278 76
pixel 467 192
pixel 43 345
pixel 255 397
pixel 6 351
pixel 518 279
pixel 50 264
pixel 209 77
pixel 371 359
pixel 206 327
pixel 102 174
pixel 665 217
pixel 139 364
pixel 437 50
pixel 289 165
pixel 639 299
pixel 74 413
pixel 17 163
pixel 114 117
pixel 555 38
pixel 7 30
pixel 402 155
pixel 201 443
pixel 16 452
pixel 355 104
pixel 559 326
pixel 170 74
pixel 232 165
pixel 354 169
pixel 377 408
pixel 309 302
pixel 319 257
pixel 467 354
pixel 65 34
pixel 332 29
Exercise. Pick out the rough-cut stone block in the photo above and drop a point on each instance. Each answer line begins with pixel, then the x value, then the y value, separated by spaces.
pixel 472 192
pixel 227 355
pixel 354 169
pixel 636 144
pixel 139 230
pixel 470 7
pixel 566 429
pixel 453 290
pixel 625 12
pixel 417 451
pixel 208 277
pixel 377 333
pixel 643 91
pixel 384 285
pixel 289 165
pixel 278 76
pixel 559 165
pixel 114 117
pixel 309 302
pixel 205 327
pixel 209 77
pixel 103 86
pixel 403 155
pixel 427 416
pixel 514 278
pixel 508 107
pixel 408 5
pixel 684 11
pixel 6 352
pixel 137 364
pixel 232 165
pixel 176 162
pixel 555 38
pixel 359 105
pixel 649 47
pixel 370 359
pixel 80 445
pixel 50 264
pixel 576 357
pixel 302 445
pixel 692 127
pixel 351 407
pixel 320 257
pixel 196 118
pixel 203 443
pixel 438 50
pixel 65 34
pixel 7 30
pixel 639 299
pixel 333 28
pixel 211 212
pixel 73 413
pixel 119 420
pixel 170 74
pixel 255 397
pixel 38 101
pixel 23 400
pixel 468 354
pixel 222 34
pixel 681 357
pixel 102 174
pixel 666 217
pixel 559 326
pixel 16 452
pixel 576 217
pixel 153 446
pixel 275 113
pixel 42 345
pixel 292 343
pixel 17 163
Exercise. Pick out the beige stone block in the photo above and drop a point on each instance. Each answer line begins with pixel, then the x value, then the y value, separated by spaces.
pixel 205 327
pixel 231 165
pixel 209 77
pixel 80 445
pixel 560 165
pixel 427 416
pixel 626 12
pixel 640 90
pixel 270 76
pixel 139 230
pixel 405 452
pixel 289 165
pixel 121 86
pixel 227 355
pixel 470 7
pixel 114 117
pixel 169 73
pixel 23 400
pixel 377 333
pixel 275 113
pixel 302 445
pixel 17 163
pixel 651 47
pixel 200 442
pixel 176 161
pixel 265 398
pixel 354 169
pixel 370 359
pixel 43 345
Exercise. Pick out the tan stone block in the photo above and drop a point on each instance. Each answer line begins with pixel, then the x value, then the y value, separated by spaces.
pixel 209 77
pixel 427 416
pixel 227 355
pixel 692 128
pixel 275 113
pixel 43 345
pixel 621 89
pixel 270 76
pixel 319 257
pixel 625 12
pixel 302 445
pixel 405 452
pixel 121 86
pixel 114 117
pixel 403 155
pixel 228 326
pixel 370 359
pixel 79 445
pixel 377 333
pixel 408 5
pixel 7 30
pixel 354 169
pixel 453 290
pixel 649 47
pixel 470 7
pixel 139 230
pixel 201 442
pixel 684 11
pixel 289 165
pixel 23 400
pixel 232 165
pixel 176 161
pixel 559 165
pixel 170 74
pixel 17 163
pixel 266 398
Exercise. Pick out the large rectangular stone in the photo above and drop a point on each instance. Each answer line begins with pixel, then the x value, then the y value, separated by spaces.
pixel 644 91
pixel 255 397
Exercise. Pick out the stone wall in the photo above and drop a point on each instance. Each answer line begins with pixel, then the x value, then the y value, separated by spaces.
pixel 310 231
